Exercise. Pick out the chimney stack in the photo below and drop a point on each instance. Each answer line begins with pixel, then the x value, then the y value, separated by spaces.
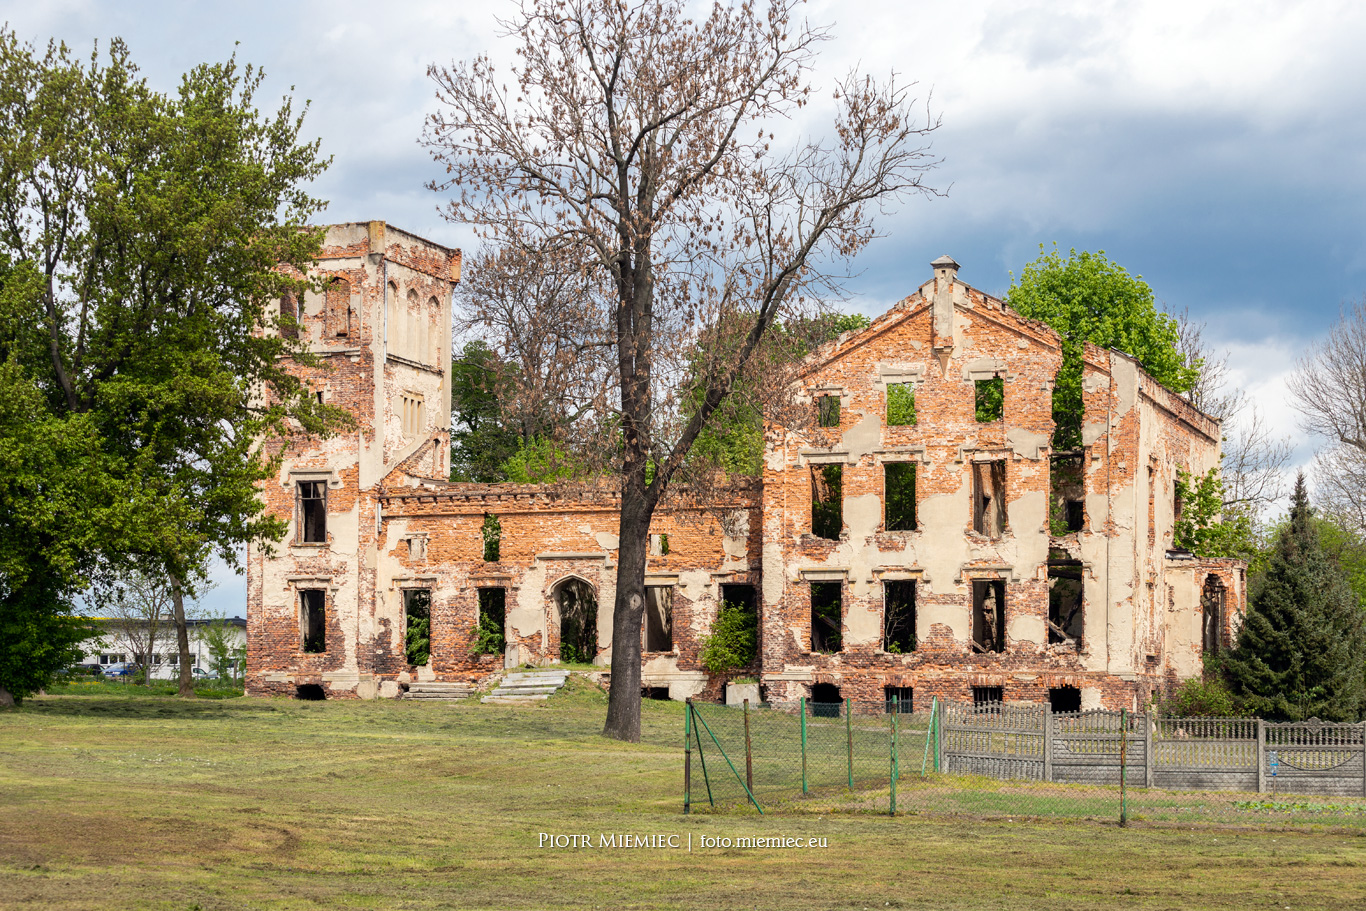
pixel 945 273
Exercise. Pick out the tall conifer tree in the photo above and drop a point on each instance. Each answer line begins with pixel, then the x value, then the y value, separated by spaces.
pixel 1302 650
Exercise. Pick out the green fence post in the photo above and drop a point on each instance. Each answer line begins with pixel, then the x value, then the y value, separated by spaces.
pixel 929 734
pixel 938 736
pixel 849 733
pixel 687 757
pixel 896 754
pixel 803 705
pixel 749 756
pixel 1123 755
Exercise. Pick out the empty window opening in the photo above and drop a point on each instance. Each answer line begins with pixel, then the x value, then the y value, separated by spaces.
pixel 289 316
pixel 990 399
pixel 660 693
pixel 1064 699
pixel 313 620
pixel 987 695
pixel 827 501
pixel 578 605
pixel 1067 505
pixel 319 396
pixel 1065 614
pixel 825 700
pixel 659 618
pixel 492 531
pixel 1176 503
pixel 900 404
pixel 828 410
pixel 417 625
pixel 900 699
pixel 338 320
pixel 1212 607
pixel 989 498
pixel 659 545
pixel 310 692
pixel 899 496
pixel 489 638
pixel 989 616
pixel 826 616
pixel 313 512
pixel 898 623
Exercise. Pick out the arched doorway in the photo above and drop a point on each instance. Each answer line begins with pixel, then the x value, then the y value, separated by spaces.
pixel 577 604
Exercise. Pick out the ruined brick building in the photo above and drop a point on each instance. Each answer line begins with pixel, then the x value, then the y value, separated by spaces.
pixel 920 539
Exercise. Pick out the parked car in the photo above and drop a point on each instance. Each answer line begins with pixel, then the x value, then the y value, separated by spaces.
pixel 120 670
pixel 172 672
pixel 90 669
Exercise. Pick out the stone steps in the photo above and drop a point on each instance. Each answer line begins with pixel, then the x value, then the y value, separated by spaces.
pixel 434 690
pixel 526 686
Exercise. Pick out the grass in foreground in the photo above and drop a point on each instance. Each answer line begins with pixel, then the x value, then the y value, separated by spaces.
pixel 250 803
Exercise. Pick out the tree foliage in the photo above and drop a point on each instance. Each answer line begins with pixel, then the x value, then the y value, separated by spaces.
pixel 1301 652
pixel 481 440
pixel 1203 528
pixel 1088 298
pixel 637 142
pixel 733 641
pixel 157 228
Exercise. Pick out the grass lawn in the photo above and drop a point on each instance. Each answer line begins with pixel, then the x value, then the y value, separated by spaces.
pixel 152 802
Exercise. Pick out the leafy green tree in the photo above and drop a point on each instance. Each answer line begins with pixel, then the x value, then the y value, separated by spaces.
pixel 218 638
pixel 1204 528
pixel 480 439
pixel 1088 298
pixel 1301 652
pixel 162 227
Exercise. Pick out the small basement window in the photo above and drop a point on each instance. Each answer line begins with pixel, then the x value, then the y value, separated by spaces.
pixel 1063 699
pixel 660 693
pixel 312 512
pixel 989 498
pixel 1065 615
pixel 900 699
pixel 827 501
pixel 990 399
pixel 659 618
pixel 489 638
pixel 986 695
pixel 898 616
pixel 900 404
pixel 1067 506
pixel 989 616
pixel 312 620
pixel 310 692
pixel 828 410
pixel 899 496
pixel 826 700
pixel 827 616
pixel 417 625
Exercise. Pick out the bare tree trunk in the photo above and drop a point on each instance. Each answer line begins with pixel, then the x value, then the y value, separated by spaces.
pixel 182 638
pixel 623 701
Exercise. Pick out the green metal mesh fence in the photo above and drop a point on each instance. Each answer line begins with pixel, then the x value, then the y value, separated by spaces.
pixel 1004 762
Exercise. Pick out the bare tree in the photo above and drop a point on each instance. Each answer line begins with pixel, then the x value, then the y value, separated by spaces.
pixel 1254 457
pixel 640 141
pixel 139 608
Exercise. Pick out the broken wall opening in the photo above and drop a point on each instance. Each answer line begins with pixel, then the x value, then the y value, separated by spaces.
pixel 826 616
pixel 1067 506
pixel 989 615
pixel 312 621
pixel 660 693
pixel 417 625
pixel 310 692
pixel 739 594
pixel 900 699
pixel 900 404
pixel 338 319
pixel 1212 610
pixel 825 700
pixel 986 695
pixel 898 616
pixel 312 512
pixel 578 605
pixel 828 410
pixel 1066 618
pixel 492 532
pixel 827 501
pixel 989 498
pixel 899 496
pixel 659 623
pixel 1064 699
pixel 489 638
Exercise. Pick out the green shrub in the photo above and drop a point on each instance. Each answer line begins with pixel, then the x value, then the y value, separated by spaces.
pixel 733 642
pixel 1201 699
pixel 488 636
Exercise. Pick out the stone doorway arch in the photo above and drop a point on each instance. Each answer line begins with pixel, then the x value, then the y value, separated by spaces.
pixel 576 604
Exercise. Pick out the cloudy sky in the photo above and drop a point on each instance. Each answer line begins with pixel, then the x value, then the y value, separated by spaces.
pixel 1215 148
